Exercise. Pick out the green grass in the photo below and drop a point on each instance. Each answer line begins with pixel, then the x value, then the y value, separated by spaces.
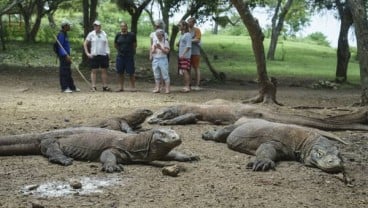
pixel 234 57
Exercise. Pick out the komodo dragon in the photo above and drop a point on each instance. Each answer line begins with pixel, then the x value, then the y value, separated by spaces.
pixel 229 113
pixel 271 142
pixel 111 148
pixel 127 123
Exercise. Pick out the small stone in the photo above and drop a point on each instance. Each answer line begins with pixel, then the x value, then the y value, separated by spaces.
pixel 20 103
pixel 37 204
pixel 171 170
pixel 75 184
pixel 32 187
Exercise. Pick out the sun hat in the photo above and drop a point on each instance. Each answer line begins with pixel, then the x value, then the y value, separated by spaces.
pixel 96 22
pixel 65 22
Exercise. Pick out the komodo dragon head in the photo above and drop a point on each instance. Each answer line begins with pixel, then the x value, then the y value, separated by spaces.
pixel 138 116
pixel 325 155
pixel 164 114
pixel 163 141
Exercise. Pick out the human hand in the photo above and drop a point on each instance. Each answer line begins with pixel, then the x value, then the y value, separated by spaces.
pixel 68 59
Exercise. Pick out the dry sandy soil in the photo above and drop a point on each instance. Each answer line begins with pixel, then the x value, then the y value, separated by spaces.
pixel 32 102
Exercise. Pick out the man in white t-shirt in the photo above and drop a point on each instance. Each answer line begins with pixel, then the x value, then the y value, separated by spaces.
pixel 98 52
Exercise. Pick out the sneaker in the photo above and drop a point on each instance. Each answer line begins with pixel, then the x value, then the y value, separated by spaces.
pixel 76 89
pixel 106 89
pixel 67 90
pixel 196 88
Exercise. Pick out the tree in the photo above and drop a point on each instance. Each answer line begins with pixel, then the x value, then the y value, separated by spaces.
pixel 359 13
pixel 277 25
pixel 343 51
pixel 134 9
pixel 267 92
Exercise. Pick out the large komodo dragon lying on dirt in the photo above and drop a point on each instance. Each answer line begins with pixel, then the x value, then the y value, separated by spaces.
pixel 111 148
pixel 126 123
pixel 271 142
pixel 231 112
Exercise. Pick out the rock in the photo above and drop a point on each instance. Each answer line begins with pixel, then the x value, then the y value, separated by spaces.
pixel 37 204
pixel 171 170
pixel 75 184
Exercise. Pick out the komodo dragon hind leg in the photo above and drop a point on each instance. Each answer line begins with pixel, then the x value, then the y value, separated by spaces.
pixel 179 156
pixel 189 118
pixel 124 127
pixel 51 149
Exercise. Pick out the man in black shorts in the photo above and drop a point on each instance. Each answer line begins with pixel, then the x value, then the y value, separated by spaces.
pixel 126 44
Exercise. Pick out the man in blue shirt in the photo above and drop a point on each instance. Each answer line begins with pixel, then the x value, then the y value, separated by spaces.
pixel 66 80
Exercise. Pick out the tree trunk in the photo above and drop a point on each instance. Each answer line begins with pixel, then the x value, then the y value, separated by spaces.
pixel 358 11
pixel 277 27
pixel 37 24
pixel 267 93
pixel 343 52
pixel 89 15
pixel 2 36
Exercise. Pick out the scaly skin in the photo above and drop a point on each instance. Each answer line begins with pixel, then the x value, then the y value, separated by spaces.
pixel 220 114
pixel 271 142
pixel 127 123
pixel 111 148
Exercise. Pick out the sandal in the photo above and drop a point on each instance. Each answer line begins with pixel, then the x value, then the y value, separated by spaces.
pixel 156 91
pixel 106 89
pixel 93 89
pixel 185 90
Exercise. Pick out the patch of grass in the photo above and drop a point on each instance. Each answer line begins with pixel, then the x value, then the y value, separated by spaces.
pixel 232 55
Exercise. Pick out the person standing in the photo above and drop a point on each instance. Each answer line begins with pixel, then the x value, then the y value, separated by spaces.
pixel 98 54
pixel 126 43
pixel 185 44
pixel 65 72
pixel 160 64
pixel 196 51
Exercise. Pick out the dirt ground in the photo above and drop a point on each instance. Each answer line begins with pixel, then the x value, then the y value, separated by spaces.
pixel 30 101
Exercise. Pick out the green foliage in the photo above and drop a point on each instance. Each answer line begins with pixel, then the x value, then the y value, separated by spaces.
pixel 234 30
pixel 318 38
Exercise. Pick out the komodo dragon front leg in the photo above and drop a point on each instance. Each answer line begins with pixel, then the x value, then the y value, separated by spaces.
pixel 267 154
pixel 189 118
pixel 179 156
pixel 111 162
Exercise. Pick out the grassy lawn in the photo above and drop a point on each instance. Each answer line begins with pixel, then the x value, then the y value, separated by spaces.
pixel 230 54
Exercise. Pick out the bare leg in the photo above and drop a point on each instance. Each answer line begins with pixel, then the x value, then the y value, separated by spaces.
pixel 132 81
pixel 186 75
pixel 93 78
pixel 197 76
pixel 121 81
pixel 104 77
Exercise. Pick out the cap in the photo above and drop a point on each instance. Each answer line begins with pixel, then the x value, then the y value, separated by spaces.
pixel 65 22
pixel 96 22
pixel 160 31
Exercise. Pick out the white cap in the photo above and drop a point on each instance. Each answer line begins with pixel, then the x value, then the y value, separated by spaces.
pixel 65 22
pixel 96 22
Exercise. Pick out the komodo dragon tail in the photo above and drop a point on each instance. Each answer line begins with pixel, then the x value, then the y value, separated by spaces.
pixel 23 144
pixel 324 124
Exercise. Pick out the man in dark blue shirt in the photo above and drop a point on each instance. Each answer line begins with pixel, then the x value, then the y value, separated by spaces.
pixel 66 80
pixel 126 44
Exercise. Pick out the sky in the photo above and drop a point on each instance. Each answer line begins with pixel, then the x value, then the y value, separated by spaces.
pixel 324 22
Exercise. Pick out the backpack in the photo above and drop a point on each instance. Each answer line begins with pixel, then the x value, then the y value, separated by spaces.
pixel 55 47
